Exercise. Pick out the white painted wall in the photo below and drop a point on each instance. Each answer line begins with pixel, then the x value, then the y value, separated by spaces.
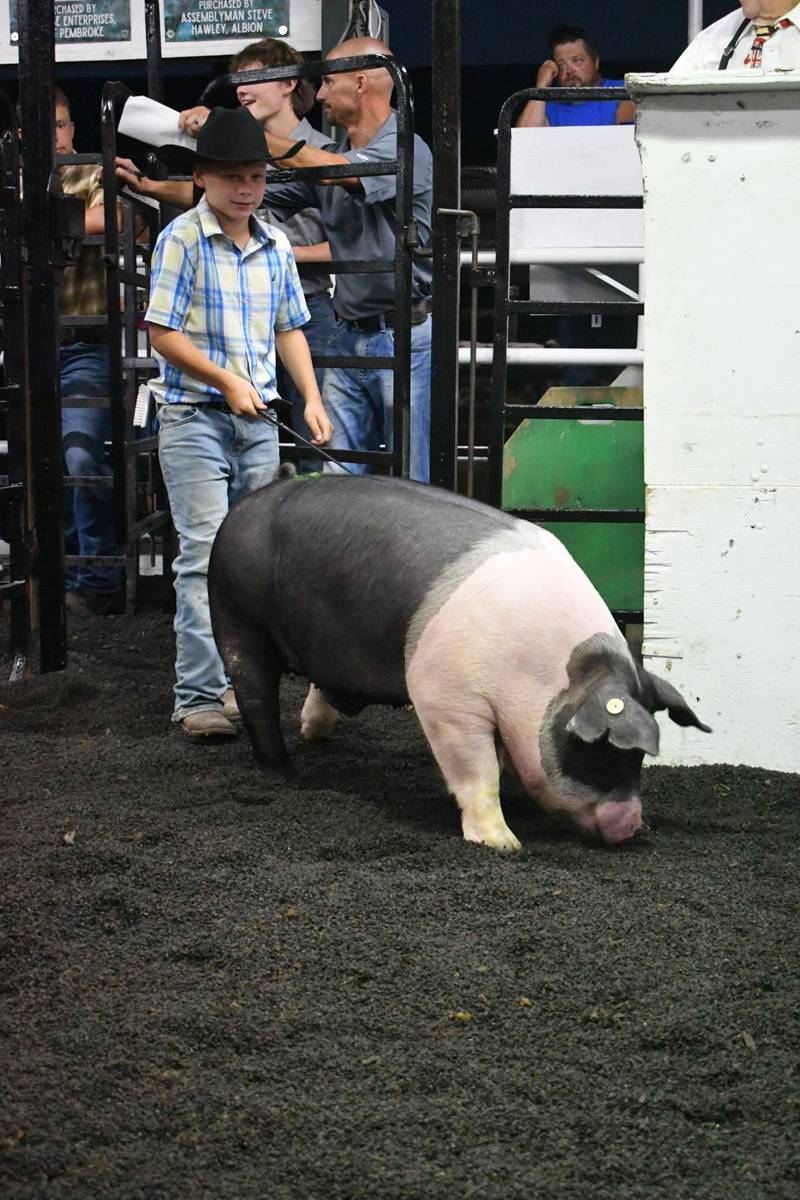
pixel 722 410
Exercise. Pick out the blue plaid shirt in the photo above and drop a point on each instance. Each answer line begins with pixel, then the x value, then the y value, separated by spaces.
pixel 229 302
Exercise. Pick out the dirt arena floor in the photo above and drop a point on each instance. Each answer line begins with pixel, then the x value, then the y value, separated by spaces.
pixel 211 988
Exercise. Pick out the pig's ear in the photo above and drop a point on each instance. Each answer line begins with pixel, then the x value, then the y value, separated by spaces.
pixel 627 723
pixel 664 695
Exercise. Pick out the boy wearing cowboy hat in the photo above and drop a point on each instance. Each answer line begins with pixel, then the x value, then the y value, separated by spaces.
pixel 224 298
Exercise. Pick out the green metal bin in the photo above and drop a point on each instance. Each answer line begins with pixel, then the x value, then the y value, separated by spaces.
pixel 574 464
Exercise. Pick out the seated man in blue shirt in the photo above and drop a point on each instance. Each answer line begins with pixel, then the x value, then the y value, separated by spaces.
pixel 574 62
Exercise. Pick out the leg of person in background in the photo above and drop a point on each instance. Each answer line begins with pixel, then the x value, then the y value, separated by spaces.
pixel 382 383
pixel 319 332
pixel 361 403
pixel 354 409
pixel 421 401
pixel 89 527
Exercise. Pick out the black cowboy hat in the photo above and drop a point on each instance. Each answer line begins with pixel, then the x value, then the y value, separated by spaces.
pixel 229 135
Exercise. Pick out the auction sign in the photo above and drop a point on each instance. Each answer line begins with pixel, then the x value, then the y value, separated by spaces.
pixel 212 20
pixel 98 30
pixel 86 20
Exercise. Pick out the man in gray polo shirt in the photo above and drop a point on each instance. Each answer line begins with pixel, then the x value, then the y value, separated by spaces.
pixel 358 219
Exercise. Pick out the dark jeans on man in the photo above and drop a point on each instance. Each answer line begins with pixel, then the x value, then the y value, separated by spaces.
pixel 88 511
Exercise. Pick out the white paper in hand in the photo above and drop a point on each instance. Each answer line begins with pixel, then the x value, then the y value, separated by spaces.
pixel 152 123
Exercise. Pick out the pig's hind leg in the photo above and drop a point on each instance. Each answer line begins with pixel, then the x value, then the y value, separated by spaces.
pixel 255 666
pixel 317 717
pixel 464 747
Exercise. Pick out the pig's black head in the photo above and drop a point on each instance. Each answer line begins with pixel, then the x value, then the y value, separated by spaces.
pixel 597 731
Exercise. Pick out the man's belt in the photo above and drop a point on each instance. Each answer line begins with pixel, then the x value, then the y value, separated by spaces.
pixel 378 321
pixel 90 335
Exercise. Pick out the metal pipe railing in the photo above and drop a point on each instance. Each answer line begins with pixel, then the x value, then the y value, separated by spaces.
pixel 16 587
pixel 128 366
pixel 446 69
pixel 152 26
pixel 500 354
pixel 36 56
pixel 695 19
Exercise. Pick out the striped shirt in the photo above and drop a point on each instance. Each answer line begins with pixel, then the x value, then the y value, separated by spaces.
pixel 229 302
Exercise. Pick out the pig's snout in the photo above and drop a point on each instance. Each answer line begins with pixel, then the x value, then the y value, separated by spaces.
pixel 612 820
pixel 617 821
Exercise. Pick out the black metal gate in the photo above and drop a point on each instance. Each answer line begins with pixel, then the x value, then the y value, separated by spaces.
pixel 143 512
pixel 42 231
pixel 503 413
pixel 15 572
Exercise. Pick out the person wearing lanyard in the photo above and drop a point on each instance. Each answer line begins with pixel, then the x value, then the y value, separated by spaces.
pixel 762 35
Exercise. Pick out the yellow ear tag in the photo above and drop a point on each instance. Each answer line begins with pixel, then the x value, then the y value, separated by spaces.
pixel 615 706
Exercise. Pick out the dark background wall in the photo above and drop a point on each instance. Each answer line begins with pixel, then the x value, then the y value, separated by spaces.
pixel 512 31
pixel 503 42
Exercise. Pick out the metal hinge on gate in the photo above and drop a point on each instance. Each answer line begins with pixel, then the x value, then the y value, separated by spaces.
pixel 483 277
pixel 412 242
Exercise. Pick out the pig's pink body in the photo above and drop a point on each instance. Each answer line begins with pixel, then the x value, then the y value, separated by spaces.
pixel 489 653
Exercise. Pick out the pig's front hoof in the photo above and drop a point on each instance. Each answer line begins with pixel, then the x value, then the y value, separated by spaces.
pixel 499 836
pixel 276 772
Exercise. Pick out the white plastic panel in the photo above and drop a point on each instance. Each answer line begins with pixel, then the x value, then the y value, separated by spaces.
pixel 589 161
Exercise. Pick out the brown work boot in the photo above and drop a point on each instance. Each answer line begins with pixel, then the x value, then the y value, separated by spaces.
pixel 83 601
pixel 76 603
pixel 211 723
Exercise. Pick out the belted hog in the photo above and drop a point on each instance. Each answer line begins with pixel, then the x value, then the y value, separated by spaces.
pixel 384 591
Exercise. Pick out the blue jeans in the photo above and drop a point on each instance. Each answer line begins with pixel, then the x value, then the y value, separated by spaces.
pixel 318 333
pixel 210 459
pixel 88 512
pixel 359 401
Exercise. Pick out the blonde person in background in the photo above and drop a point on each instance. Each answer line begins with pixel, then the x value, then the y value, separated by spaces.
pixel 89 526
